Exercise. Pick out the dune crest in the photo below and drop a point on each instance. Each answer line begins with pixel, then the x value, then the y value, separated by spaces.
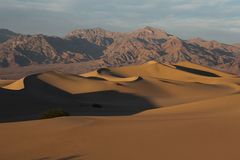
pixel 204 68
pixel 6 82
pixel 108 75
pixel 150 111
pixel 152 62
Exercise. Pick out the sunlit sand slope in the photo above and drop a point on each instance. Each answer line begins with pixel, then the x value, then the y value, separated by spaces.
pixel 150 85
pixel 206 129
pixel 14 85
pixel 108 75
pixel 6 82
pixel 175 111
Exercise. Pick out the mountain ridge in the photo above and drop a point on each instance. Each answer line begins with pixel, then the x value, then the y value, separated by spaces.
pixel 115 49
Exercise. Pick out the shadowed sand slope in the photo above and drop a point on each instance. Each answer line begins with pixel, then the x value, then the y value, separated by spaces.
pixel 205 69
pixel 119 91
pixel 38 97
pixel 151 111
pixel 206 129
pixel 108 75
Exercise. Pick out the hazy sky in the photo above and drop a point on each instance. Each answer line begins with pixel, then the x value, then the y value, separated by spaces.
pixel 209 19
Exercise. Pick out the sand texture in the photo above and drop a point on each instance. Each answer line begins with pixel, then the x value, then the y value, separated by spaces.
pixel 152 111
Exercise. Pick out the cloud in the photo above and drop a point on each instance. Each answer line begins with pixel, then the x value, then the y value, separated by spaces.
pixel 186 18
pixel 43 5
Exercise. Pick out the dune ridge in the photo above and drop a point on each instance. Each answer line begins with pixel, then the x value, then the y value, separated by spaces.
pixel 148 111
pixel 15 85
pixel 134 88
pixel 6 82
pixel 108 75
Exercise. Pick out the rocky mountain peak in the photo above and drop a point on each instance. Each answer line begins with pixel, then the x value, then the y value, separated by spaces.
pixel 6 31
pixel 6 34
pixel 98 36
pixel 214 45
pixel 236 45
pixel 90 33
pixel 150 32
pixel 117 49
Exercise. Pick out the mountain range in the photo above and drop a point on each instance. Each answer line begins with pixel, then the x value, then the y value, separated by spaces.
pixel 115 49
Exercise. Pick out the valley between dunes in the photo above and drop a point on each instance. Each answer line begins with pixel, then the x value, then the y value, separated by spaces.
pixel 151 111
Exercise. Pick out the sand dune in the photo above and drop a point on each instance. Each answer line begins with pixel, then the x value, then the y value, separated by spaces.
pixel 14 85
pixel 201 130
pixel 175 111
pixel 206 69
pixel 108 75
pixel 160 92
pixel 134 88
pixel 6 82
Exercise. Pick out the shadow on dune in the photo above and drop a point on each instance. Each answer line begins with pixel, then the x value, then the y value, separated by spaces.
pixel 73 157
pixel 106 71
pixel 38 97
pixel 196 71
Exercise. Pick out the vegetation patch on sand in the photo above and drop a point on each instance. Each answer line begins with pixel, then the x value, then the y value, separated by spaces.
pixel 53 113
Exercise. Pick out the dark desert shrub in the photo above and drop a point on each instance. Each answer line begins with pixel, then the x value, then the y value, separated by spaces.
pixel 96 106
pixel 52 113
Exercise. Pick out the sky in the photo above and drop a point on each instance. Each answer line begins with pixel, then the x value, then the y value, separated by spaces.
pixel 208 19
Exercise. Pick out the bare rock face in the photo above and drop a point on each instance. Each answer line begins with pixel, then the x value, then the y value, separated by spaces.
pixel 149 33
pixel 149 43
pixel 6 34
pixel 223 56
pixel 237 45
pixel 97 36
pixel 116 49
pixel 24 50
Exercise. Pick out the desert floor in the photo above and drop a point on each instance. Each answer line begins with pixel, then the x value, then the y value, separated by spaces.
pixel 150 111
